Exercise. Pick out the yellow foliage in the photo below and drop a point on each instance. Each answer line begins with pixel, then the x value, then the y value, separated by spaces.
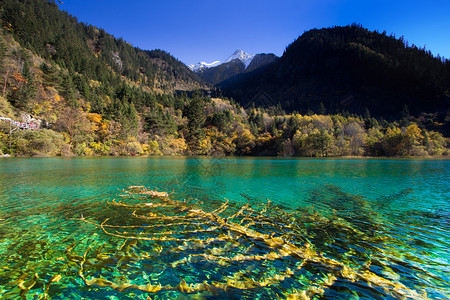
pixel 322 122
pixel 179 145
pixel 152 148
pixel 88 151
pixel 414 132
pixel 264 138
pixel 303 120
pixel 104 149
pixel 6 109
pixel 94 84
pixel 106 100
pixel 96 120
pixel 134 147
pixel 374 135
pixel 246 133
pixel 205 145
pixel 94 117
pixel 87 107
pixel 212 132
pixel 66 137
pixel 391 132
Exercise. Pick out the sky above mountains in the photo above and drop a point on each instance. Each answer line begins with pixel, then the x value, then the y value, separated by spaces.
pixel 206 30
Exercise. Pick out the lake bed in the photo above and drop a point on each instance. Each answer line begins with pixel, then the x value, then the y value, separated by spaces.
pixel 355 228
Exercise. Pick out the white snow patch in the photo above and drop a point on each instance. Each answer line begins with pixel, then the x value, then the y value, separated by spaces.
pixel 203 65
pixel 238 54
pixel 242 56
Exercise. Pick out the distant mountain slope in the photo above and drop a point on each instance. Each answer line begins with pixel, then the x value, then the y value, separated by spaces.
pixel 238 63
pixel 172 75
pixel 349 69
pixel 261 60
pixel 55 35
pixel 222 72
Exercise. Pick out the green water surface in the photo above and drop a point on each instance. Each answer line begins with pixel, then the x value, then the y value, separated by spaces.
pixel 401 209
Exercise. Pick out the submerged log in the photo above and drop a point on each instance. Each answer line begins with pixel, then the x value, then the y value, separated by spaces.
pixel 165 220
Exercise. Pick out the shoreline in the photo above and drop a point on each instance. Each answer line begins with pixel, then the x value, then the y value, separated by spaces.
pixel 236 156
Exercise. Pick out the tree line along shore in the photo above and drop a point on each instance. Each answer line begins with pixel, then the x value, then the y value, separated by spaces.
pixel 199 125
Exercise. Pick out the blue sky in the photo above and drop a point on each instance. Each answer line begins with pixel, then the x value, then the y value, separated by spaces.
pixel 208 30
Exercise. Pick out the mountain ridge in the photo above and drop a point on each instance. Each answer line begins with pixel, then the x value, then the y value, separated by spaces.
pixel 350 69
pixel 84 48
pixel 237 54
pixel 238 63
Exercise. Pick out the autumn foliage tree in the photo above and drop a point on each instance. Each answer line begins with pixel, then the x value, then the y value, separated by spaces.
pixel 74 123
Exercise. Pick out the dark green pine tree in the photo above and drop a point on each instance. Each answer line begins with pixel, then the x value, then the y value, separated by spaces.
pixel 405 112
pixel 51 75
pixel 196 120
pixel 2 66
pixel 322 110
pixel 67 89
pixel 24 89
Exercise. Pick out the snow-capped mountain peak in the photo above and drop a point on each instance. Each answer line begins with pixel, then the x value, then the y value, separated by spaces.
pixel 203 65
pixel 242 56
pixel 238 54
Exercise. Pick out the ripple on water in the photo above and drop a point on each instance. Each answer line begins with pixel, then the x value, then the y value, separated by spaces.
pixel 370 218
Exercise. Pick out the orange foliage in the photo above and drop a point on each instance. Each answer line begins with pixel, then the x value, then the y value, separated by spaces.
pixel 18 77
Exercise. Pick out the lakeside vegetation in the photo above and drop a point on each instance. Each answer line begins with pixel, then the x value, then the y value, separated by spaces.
pixel 199 125
pixel 98 95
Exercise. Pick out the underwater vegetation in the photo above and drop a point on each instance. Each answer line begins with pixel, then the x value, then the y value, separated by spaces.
pixel 147 244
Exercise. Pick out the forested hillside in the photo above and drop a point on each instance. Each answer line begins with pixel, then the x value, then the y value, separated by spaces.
pixel 72 89
pixel 352 69
pixel 87 50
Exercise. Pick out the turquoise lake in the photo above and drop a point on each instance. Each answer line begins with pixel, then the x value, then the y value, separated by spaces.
pixel 231 228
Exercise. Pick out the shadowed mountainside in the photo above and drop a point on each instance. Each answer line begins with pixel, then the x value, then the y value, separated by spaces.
pixel 350 69
pixel 222 72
